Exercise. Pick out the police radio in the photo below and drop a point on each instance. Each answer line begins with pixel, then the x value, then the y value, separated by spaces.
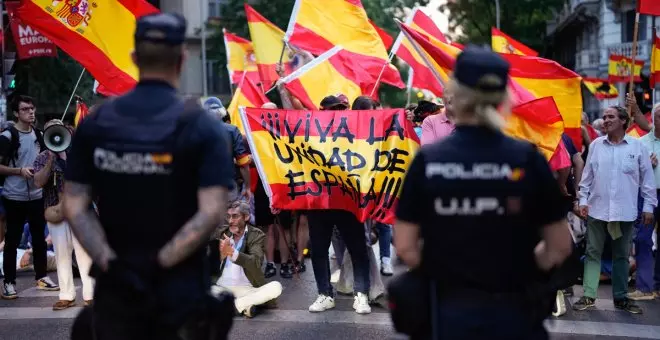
pixel 57 138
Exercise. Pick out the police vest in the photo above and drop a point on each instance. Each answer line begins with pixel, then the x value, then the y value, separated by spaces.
pixel 144 174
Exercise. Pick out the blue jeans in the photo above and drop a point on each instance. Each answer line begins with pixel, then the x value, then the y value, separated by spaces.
pixel 384 239
pixel 643 251
pixel 656 272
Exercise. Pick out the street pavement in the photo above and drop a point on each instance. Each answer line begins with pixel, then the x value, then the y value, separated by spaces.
pixel 31 317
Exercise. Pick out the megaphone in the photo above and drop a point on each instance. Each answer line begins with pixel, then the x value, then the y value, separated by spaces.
pixel 57 138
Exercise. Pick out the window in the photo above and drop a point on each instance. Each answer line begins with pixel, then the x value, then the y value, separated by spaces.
pixel 215 6
pixel 217 78
pixel 628 27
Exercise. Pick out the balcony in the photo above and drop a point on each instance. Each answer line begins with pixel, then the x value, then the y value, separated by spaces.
pixel 574 13
pixel 625 49
pixel 587 59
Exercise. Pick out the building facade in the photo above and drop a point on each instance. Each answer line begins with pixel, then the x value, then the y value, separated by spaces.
pixel 193 73
pixel 584 34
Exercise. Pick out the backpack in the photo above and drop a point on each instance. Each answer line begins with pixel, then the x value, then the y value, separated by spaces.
pixel 11 155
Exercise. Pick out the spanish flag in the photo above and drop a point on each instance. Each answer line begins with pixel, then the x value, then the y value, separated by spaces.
pixel 384 36
pixel 247 95
pixel 619 69
pixel 649 7
pixel 317 26
pixel 81 112
pixel 655 62
pixel 546 78
pixel 600 88
pixel 98 34
pixel 534 119
pixel 320 78
pixel 503 43
pixel 423 77
pixel 240 58
pixel 635 131
pixel 268 43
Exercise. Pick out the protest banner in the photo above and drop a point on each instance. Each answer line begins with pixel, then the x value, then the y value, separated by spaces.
pixel 348 160
pixel 29 42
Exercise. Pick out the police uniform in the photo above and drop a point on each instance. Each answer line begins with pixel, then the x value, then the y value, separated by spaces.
pixel 480 199
pixel 146 154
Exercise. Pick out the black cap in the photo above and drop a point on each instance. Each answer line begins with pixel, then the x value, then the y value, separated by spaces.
pixel 161 28
pixel 481 69
pixel 333 103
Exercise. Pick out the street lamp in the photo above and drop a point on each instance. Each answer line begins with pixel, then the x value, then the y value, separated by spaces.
pixel 497 13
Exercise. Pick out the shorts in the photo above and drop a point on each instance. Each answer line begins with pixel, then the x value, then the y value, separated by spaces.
pixel 262 214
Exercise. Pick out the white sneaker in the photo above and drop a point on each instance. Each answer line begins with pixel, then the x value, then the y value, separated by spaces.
pixel 322 304
pixel 361 304
pixel 386 266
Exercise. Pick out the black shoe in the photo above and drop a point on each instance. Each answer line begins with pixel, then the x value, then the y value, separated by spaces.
pixel 568 291
pixel 300 267
pixel 286 271
pixel 250 312
pixel 628 306
pixel 270 270
pixel 584 303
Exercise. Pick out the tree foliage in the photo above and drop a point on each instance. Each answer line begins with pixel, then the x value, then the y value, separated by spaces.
pixel 381 12
pixel 50 81
pixel 524 20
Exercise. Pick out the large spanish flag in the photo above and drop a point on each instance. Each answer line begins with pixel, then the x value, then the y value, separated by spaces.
pixel 384 36
pixel 649 7
pixel 546 78
pixel 502 43
pixel 240 58
pixel 619 69
pixel 600 88
pixel 350 160
pixel 320 78
pixel 267 40
pixel 535 119
pixel 317 26
pixel 99 34
pixel 423 77
pixel 655 61
pixel 247 95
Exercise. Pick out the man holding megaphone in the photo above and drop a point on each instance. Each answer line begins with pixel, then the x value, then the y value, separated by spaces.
pixel 49 175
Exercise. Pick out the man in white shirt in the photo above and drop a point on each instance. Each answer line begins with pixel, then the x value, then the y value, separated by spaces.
pixel 617 167
pixel 241 253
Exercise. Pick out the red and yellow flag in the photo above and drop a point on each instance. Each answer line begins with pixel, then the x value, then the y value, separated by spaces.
pixel 81 112
pixel 546 78
pixel 619 69
pixel 655 61
pixel 600 88
pixel 98 34
pixel 649 7
pixel 635 131
pixel 423 77
pixel 320 78
pixel 502 43
pixel 247 95
pixel 350 160
pixel 240 58
pixel 267 40
pixel 317 26
pixel 535 119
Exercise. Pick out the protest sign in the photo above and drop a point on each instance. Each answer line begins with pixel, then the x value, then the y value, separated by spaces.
pixel 349 160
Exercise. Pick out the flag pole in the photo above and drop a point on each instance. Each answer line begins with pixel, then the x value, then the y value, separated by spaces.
pixel 73 93
pixel 631 85
pixel 410 80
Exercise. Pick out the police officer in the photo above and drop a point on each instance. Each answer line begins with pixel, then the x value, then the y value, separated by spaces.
pixel 161 171
pixel 489 212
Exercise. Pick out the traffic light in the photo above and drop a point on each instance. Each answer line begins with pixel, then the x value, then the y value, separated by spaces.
pixel 8 81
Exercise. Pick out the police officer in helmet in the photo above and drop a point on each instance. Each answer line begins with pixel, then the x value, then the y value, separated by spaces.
pixel 160 169
pixel 490 214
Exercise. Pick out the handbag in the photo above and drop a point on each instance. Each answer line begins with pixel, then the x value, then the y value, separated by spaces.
pixel 54 214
